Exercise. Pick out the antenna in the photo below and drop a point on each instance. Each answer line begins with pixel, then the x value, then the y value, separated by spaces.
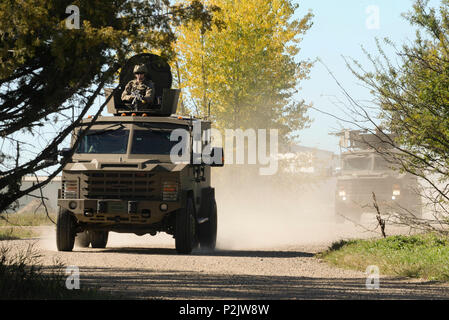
pixel 208 110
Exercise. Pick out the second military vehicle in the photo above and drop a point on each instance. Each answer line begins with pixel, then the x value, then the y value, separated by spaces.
pixel 366 170
pixel 122 178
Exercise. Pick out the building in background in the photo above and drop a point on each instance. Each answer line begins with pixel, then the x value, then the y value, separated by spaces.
pixel 32 202
pixel 309 160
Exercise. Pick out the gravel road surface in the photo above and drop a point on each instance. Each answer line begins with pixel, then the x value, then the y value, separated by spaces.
pixel 149 268
pixel 266 249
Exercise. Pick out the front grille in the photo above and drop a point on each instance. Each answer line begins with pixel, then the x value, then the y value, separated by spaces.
pixel 69 189
pixel 366 187
pixel 120 185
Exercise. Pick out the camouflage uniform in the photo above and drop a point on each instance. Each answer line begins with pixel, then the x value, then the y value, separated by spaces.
pixel 145 88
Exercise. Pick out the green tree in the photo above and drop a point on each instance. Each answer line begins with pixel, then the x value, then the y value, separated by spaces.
pixel 413 96
pixel 46 67
pixel 244 69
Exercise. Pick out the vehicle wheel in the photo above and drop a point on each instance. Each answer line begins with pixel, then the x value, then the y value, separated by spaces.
pixel 345 214
pixel 419 211
pixel 357 218
pixel 65 230
pixel 339 215
pixel 354 216
pixel 207 231
pixel 413 210
pixel 99 239
pixel 185 233
pixel 82 239
pixel 339 219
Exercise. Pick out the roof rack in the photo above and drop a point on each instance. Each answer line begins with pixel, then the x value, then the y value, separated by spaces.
pixel 365 140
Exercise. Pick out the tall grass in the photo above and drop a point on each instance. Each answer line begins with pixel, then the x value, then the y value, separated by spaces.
pixel 15 233
pixel 27 219
pixel 23 277
pixel 419 256
pixel 19 225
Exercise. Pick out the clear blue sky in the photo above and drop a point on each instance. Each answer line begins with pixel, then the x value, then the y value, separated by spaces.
pixel 340 29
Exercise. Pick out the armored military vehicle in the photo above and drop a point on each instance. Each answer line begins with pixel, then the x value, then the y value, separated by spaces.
pixel 122 176
pixel 367 167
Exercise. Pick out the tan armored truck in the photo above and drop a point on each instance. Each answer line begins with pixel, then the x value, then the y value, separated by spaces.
pixel 122 176
pixel 366 167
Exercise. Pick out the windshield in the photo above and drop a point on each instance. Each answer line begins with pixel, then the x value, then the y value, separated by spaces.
pixel 381 164
pixel 357 163
pixel 114 141
pixel 152 142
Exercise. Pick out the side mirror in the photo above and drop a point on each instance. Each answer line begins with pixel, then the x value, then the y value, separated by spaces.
pixel 52 158
pixel 65 152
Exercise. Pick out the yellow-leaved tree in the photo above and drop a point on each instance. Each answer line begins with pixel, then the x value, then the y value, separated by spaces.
pixel 244 70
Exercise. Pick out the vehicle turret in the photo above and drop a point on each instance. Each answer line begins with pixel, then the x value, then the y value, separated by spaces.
pixel 159 72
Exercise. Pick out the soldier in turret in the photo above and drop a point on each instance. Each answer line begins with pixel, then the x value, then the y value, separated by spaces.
pixel 139 91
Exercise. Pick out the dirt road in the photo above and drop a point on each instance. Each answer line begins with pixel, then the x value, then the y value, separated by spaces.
pixel 267 241
pixel 148 267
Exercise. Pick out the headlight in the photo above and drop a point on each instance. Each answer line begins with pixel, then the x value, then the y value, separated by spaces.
pixel 169 191
pixel 396 190
pixel 72 205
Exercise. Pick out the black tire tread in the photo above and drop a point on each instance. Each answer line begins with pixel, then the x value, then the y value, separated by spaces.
pixel 184 238
pixel 65 231
pixel 99 239
pixel 207 231
pixel 82 239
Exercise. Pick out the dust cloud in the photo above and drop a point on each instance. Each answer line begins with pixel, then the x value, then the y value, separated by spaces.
pixel 256 212
pixel 266 212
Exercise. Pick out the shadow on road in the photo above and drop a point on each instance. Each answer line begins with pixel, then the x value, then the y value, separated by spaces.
pixel 170 284
pixel 200 252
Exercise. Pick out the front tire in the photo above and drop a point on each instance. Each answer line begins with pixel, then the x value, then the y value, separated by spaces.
pixel 65 230
pixel 185 229
pixel 343 214
pixel 207 231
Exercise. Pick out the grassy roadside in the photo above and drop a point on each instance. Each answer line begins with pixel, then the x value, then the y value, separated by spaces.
pixel 16 226
pixel 27 219
pixel 16 233
pixel 22 277
pixel 423 256
pixel 21 274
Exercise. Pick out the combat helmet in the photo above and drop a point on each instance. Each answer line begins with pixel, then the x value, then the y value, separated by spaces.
pixel 140 68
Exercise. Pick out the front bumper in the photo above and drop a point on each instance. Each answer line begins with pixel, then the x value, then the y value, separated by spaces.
pixel 118 211
pixel 365 203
